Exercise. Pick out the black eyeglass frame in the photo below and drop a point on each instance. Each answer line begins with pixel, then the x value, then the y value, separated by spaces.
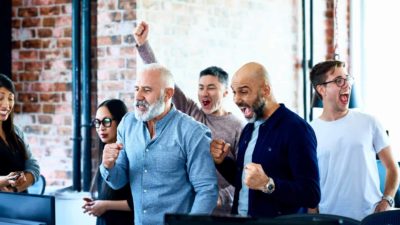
pixel 349 79
pixel 106 122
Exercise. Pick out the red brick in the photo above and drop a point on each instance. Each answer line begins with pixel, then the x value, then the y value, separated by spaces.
pixel 16 44
pixel 16 23
pixel 28 76
pixel 27 97
pixel 27 12
pixel 31 54
pixel 62 86
pixel 30 108
pixel 33 43
pixel 43 33
pixel 33 66
pixel 30 22
pixel 64 43
pixel 16 3
pixel 17 66
pixel 108 40
pixel 18 87
pixel 49 108
pixel 49 54
pixel 64 21
pixel 48 22
pixel 53 97
pixel 17 108
pixel 47 43
pixel 42 87
pixel 42 2
pixel 67 32
pixel 44 119
pixel 62 1
pixel 50 11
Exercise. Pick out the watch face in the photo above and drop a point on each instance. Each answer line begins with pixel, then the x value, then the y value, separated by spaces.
pixel 270 187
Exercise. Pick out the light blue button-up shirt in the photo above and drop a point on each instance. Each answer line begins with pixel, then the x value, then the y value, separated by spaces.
pixel 171 173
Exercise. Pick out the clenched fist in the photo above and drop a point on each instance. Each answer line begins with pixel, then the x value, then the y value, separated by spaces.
pixel 141 32
pixel 110 154
pixel 255 177
pixel 219 150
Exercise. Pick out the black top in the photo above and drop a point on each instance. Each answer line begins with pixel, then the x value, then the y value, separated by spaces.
pixel 114 217
pixel 10 159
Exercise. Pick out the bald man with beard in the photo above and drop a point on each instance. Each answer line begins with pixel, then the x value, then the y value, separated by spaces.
pixel 276 171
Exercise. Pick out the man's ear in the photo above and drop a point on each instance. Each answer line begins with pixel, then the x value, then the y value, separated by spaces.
pixel 266 90
pixel 321 90
pixel 169 92
pixel 225 92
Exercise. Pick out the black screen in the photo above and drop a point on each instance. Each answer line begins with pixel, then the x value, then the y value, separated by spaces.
pixel 28 207
pixel 180 219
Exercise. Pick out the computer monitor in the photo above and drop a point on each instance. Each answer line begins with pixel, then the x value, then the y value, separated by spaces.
pixel 184 219
pixel 28 207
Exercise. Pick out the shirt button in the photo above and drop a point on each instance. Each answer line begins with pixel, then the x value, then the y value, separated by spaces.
pixel 144 211
pixel 145 171
pixel 147 149
pixel 144 191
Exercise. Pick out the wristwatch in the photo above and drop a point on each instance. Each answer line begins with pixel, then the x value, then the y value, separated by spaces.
pixel 269 187
pixel 389 199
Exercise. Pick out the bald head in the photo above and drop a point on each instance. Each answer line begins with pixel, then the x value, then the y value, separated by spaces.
pixel 252 72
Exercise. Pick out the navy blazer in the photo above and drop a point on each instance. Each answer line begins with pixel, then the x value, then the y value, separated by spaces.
pixel 286 149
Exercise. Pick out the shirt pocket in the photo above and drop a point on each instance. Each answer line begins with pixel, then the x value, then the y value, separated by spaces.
pixel 169 158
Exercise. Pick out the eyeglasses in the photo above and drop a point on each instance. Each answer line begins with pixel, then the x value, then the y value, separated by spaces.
pixel 106 122
pixel 340 81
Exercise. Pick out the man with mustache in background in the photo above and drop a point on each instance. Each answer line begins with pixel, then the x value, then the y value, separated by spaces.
pixel 162 152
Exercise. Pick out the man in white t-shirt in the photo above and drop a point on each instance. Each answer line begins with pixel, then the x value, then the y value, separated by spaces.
pixel 348 142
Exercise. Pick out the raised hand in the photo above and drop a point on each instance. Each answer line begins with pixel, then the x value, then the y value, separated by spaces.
pixel 110 154
pixel 141 32
pixel 219 150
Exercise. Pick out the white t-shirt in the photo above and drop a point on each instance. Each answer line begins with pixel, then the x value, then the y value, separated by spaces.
pixel 348 170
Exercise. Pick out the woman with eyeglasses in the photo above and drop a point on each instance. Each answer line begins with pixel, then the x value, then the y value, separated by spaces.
pixel 111 206
pixel 18 168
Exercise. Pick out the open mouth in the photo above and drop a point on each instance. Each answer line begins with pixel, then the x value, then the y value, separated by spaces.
pixel 206 103
pixel 344 98
pixel 247 111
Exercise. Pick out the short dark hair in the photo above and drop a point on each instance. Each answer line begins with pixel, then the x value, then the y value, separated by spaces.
pixel 318 73
pixel 218 72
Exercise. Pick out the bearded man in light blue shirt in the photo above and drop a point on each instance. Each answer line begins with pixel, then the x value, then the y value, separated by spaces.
pixel 163 153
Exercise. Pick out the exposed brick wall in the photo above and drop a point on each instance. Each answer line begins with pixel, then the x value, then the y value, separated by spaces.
pixel 41 55
pixel 41 69
pixel 337 29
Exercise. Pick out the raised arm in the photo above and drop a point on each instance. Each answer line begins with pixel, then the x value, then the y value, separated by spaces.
pixel 145 52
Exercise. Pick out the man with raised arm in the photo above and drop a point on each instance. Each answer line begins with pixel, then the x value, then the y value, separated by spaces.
pixel 213 88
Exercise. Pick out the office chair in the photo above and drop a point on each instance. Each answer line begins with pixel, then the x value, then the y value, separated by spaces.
pixel 38 187
pixel 391 217
pixel 320 218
